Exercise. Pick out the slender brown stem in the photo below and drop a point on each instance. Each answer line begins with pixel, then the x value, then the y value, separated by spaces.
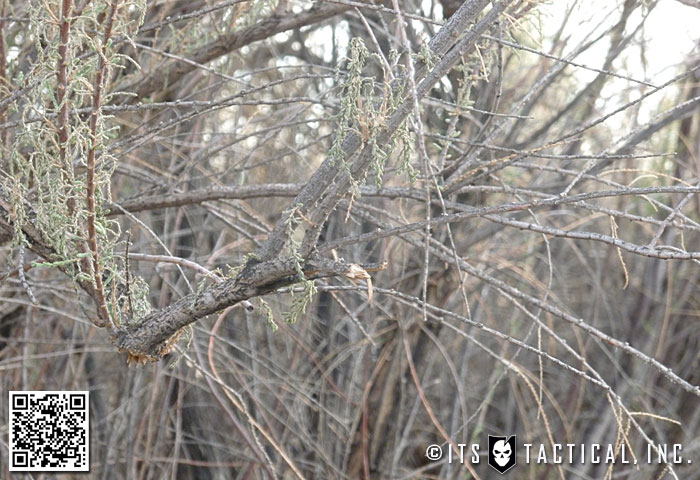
pixel 103 311
pixel 62 92
pixel 3 72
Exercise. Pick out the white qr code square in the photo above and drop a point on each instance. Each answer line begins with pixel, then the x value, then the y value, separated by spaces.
pixel 49 431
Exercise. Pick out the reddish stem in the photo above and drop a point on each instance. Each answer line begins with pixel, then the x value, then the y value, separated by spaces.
pixel 103 311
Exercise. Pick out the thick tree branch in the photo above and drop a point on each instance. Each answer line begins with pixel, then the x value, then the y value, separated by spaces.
pixel 361 164
pixel 691 3
pixel 163 79
pixel 149 338
pixel 327 186
pixel 234 192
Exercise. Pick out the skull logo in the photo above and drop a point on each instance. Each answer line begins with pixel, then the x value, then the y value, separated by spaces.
pixel 502 455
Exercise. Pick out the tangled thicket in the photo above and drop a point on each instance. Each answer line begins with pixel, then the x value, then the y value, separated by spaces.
pixel 345 230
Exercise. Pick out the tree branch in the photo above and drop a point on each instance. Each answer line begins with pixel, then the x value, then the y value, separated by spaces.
pixel 152 336
pixel 327 186
pixel 164 79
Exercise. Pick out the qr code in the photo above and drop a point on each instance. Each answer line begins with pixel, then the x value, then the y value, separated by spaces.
pixel 49 431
